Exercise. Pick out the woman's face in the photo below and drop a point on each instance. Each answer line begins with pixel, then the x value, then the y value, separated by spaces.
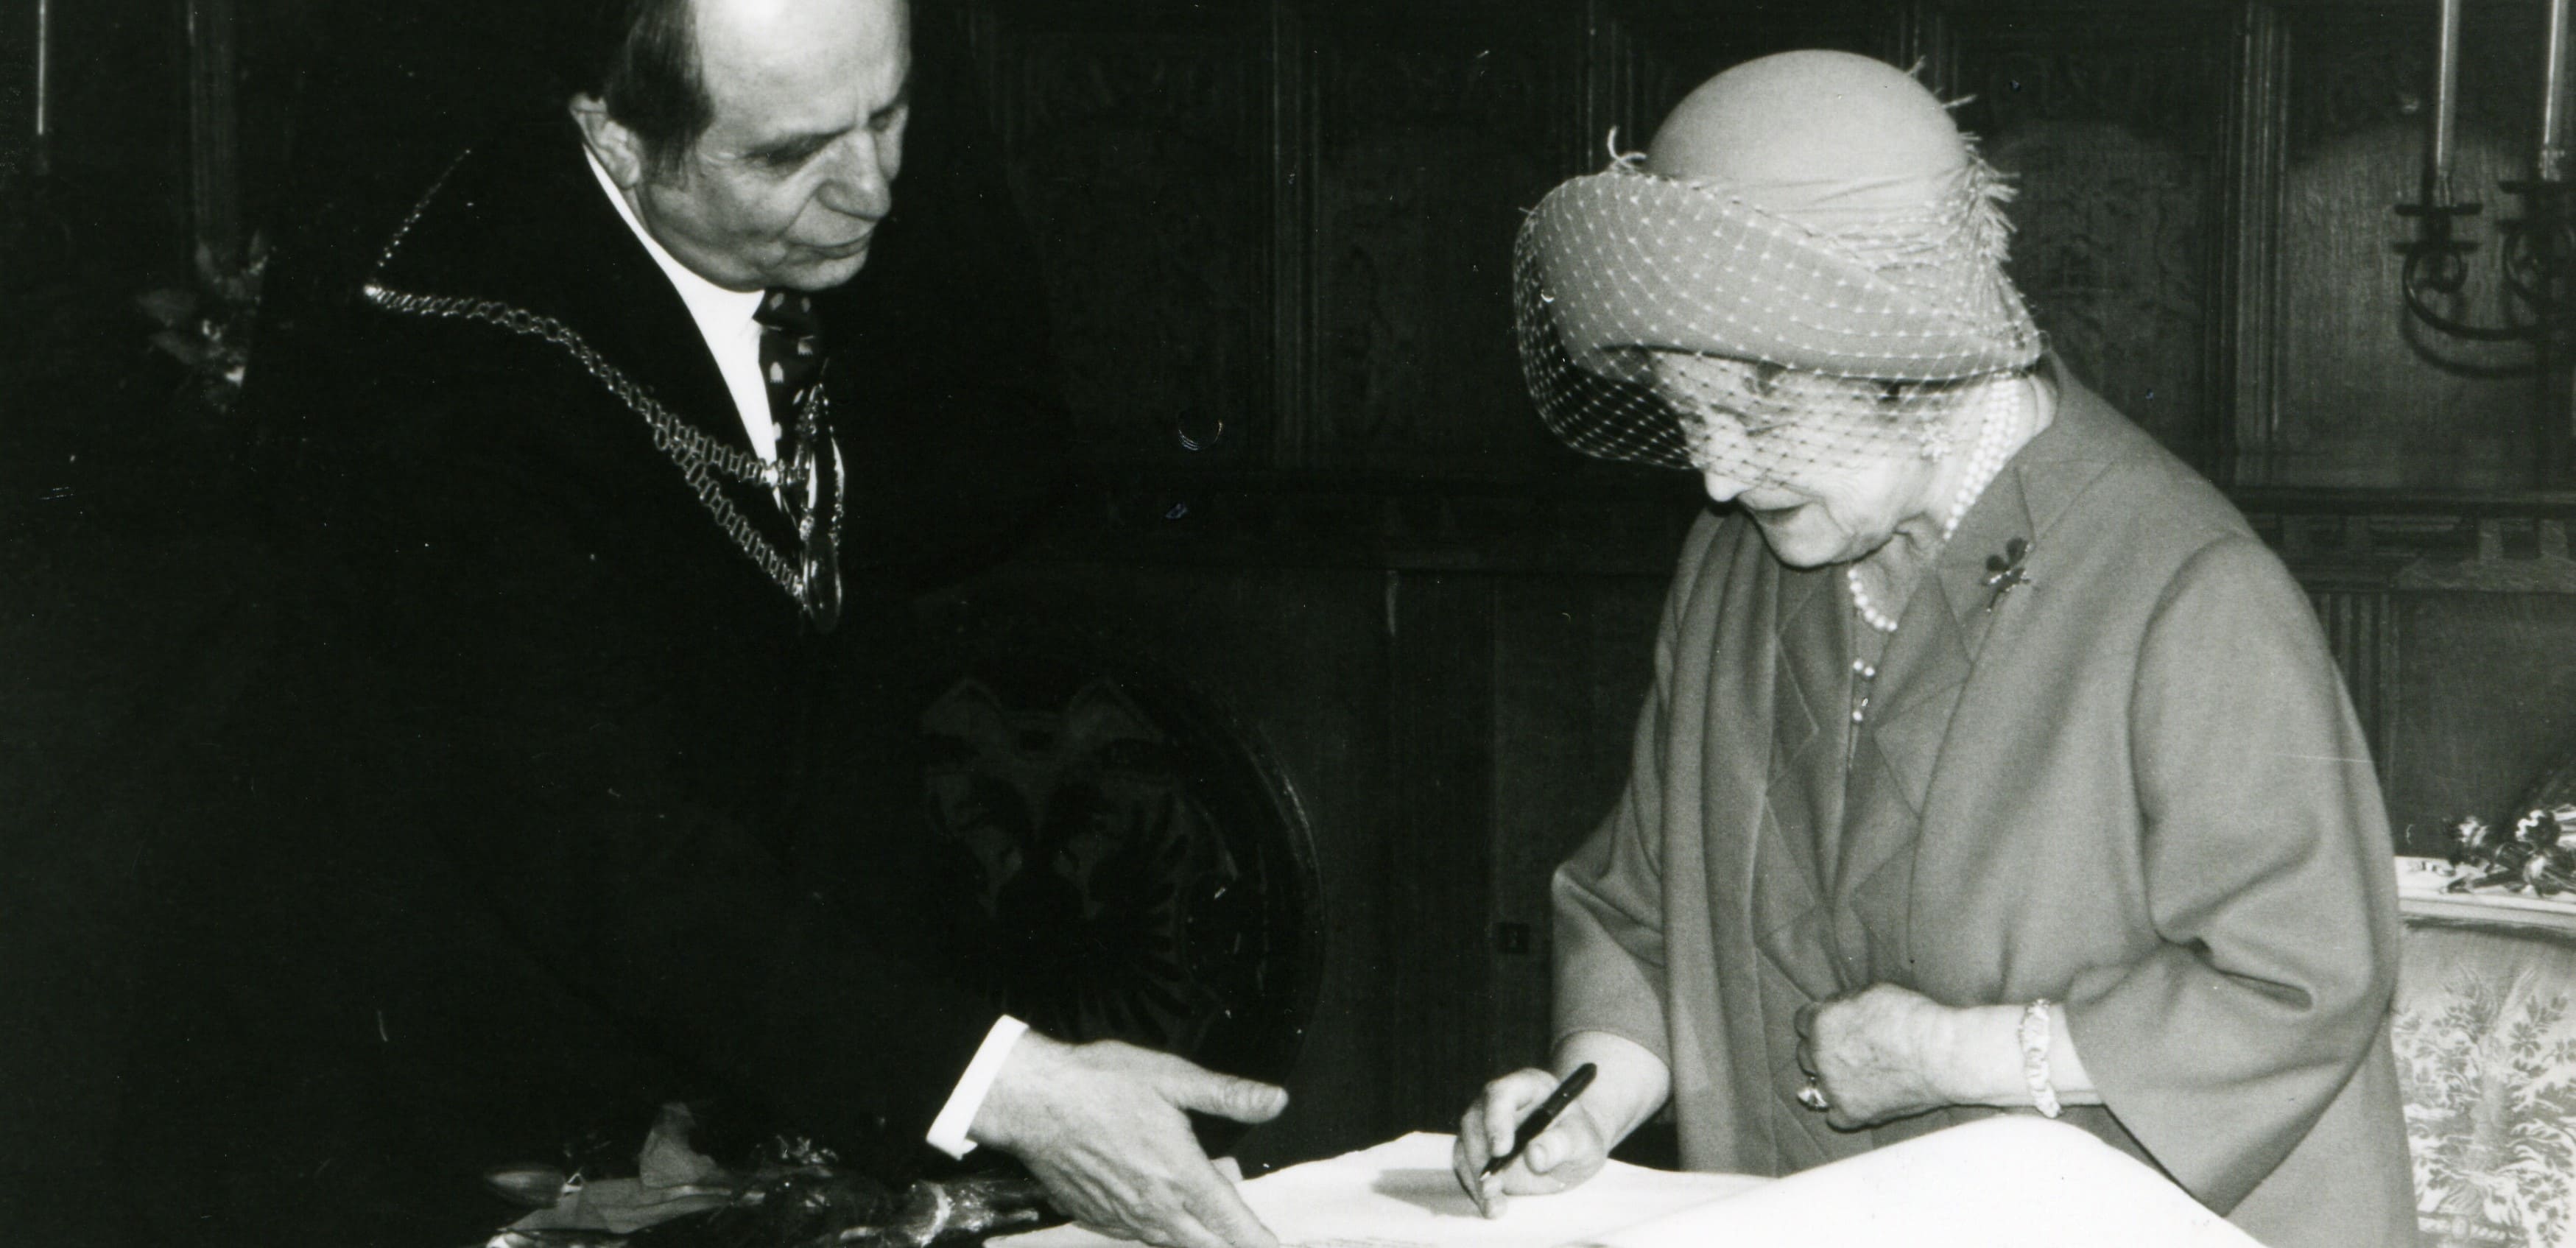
pixel 1820 463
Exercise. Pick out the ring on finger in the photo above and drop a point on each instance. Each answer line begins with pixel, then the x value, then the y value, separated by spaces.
pixel 1813 1096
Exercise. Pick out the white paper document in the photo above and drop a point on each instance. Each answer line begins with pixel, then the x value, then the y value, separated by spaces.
pixel 1401 1194
pixel 2013 1182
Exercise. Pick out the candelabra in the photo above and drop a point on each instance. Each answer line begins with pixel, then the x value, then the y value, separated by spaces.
pixel 2538 266
pixel 2537 255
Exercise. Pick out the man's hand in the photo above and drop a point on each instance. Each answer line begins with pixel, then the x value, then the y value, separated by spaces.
pixel 1881 1053
pixel 1571 1150
pixel 1103 1127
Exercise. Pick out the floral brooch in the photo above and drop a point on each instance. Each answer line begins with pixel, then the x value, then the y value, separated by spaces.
pixel 2005 572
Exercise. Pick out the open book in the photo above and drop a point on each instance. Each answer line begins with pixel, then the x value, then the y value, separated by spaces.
pixel 2013 1182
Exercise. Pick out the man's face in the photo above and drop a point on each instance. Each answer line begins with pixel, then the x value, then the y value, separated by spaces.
pixel 797 167
pixel 1811 459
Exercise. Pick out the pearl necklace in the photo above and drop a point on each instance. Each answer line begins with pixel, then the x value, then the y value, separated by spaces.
pixel 1995 439
pixel 1869 613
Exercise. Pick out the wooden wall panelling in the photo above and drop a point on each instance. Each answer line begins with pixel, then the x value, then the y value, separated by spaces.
pixel 119 113
pixel 2486 706
pixel 87 400
pixel 2366 396
pixel 1611 91
pixel 1438 123
pixel 1434 987
pixel 1573 657
pixel 214 129
pixel 277 39
pixel 1139 140
pixel 2113 122
pixel 2245 355
pixel 2361 632
pixel 1925 41
pixel 19 57
pixel 2451 616
pixel 1296 356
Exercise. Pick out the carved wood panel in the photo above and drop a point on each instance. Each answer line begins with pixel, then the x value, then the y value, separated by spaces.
pixel 2367 396
pixel 2362 634
pixel 1290 221
pixel 1296 660
pixel 1434 131
pixel 2113 125
pixel 1136 146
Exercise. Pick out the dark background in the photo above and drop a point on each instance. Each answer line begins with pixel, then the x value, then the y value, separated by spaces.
pixel 1276 238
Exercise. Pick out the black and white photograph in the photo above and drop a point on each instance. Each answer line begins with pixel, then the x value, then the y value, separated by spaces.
pixel 1287 623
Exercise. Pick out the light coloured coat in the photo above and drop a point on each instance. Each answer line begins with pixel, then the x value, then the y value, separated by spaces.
pixel 2134 785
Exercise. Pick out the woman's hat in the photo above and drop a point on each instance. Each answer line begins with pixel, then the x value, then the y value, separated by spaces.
pixel 1811 211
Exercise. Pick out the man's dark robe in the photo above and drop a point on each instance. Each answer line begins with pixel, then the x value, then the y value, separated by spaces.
pixel 548 807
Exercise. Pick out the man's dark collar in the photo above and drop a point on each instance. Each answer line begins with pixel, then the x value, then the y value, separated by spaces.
pixel 520 225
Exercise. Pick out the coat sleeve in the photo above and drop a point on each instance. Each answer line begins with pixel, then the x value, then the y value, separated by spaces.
pixel 1608 897
pixel 2265 855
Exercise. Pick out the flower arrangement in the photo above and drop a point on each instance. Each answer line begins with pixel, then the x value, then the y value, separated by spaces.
pixel 2537 855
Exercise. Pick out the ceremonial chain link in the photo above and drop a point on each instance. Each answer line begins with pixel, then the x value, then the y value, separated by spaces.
pixel 698 456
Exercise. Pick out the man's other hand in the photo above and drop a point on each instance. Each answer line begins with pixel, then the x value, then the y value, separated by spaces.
pixel 1104 1127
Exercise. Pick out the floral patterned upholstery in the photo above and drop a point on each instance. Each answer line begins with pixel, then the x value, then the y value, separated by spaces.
pixel 2486 1054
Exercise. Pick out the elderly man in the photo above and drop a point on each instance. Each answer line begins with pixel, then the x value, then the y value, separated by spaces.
pixel 1993 765
pixel 584 779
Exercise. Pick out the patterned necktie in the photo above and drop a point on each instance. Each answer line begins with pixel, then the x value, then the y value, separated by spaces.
pixel 791 363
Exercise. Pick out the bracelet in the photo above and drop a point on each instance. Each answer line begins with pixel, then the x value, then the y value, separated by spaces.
pixel 2034 1058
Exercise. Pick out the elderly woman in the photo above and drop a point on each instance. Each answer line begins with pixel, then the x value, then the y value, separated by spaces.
pixel 1992 763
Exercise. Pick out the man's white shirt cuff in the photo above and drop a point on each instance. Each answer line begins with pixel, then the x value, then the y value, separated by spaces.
pixel 948 1130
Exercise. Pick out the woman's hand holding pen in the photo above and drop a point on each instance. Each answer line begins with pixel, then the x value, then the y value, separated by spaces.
pixel 1568 1152
pixel 1631 1084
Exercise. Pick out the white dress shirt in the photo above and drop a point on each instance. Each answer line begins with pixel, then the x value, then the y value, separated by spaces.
pixel 725 321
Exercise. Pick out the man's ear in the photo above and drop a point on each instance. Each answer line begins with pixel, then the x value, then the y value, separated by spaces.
pixel 618 150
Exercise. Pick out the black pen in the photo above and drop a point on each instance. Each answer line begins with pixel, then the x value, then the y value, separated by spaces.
pixel 1537 1122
